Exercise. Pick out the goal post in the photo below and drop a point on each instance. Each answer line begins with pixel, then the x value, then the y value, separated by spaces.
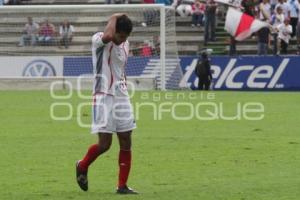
pixel 162 48
pixel 153 44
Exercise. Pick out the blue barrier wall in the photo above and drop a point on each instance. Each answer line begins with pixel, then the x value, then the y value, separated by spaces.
pixel 76 66
pixel 229 73
pixel 248 72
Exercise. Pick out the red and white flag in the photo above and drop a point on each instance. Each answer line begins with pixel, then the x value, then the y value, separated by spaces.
pixel 241 25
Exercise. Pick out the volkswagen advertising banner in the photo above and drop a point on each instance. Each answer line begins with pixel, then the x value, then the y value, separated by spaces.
pixel 246 73
pixel 31 66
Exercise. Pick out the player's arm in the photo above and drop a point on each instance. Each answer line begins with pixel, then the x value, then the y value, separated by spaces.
pixel 110 28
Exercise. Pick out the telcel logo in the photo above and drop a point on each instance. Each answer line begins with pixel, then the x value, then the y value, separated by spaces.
pixel 227 76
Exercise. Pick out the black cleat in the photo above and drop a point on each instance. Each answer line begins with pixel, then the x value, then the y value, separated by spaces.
pixel 126 190
pixel 81 178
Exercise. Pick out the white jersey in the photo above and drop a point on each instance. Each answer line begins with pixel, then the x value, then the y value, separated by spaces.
pixel 109 62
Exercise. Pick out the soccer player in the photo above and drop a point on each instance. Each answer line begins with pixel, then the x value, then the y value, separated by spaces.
pixel 112 111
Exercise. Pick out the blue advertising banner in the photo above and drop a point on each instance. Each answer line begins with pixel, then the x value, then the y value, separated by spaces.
pixel 76 66
pixel 247 72
pixel 229 73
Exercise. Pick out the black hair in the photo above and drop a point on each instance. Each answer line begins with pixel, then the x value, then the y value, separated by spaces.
pixel 124 24
pixel 204 55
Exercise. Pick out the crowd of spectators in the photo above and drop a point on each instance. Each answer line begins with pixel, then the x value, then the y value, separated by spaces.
pixel 45 34
pixel 30 33
pixel 283 17
pixel 12 2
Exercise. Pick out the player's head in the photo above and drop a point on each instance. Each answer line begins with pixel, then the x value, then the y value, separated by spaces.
pixel 204 55
pixel 123 29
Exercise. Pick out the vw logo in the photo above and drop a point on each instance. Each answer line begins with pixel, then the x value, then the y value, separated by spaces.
pixel 39 68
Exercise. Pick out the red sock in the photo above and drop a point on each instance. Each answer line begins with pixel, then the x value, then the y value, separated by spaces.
pixel 90 156
pixel 124 165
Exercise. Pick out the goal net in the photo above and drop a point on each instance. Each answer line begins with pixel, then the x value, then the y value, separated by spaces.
pixel 153 47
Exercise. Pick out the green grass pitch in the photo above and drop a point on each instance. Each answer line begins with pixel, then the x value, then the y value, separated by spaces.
pixel 189 159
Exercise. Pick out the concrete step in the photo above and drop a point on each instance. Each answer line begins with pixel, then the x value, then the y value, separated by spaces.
pixel 87 39
pixel 73 50
pixel 68 2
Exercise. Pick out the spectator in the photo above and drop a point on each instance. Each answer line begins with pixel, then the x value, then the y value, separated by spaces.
pixel 121 1
pixel 46 33
pixel 30 33
pixel 165 2
pixel 273 4
pixel 117 1
pixel 156 45
pixel 3 2
pixel 183 7
pixel 284 31
pixel 298 38
pixel 146 49
pixel 265 11
pixel 284 6
pixel 14 2
pixel 263 41
pixel 249 9
pixel 210 21
pixel 277 19
pixel 298 32
pixel 293 14
pixel 249 6
pixel 198 9
pixel 66 32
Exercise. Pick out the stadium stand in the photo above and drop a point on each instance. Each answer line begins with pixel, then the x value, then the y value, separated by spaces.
pixel 70 2
pixel 248 46
pixel 85 24
pixel 189 39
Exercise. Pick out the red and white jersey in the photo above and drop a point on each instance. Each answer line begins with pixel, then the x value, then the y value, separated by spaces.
pixel 109 62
